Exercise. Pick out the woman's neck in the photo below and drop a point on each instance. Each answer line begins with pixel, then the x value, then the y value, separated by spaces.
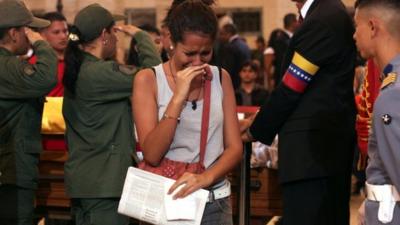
pixel 94 50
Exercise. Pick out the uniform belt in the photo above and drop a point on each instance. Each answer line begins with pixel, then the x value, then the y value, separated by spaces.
pixel 221 192
pixel 387 196
pixel 379 193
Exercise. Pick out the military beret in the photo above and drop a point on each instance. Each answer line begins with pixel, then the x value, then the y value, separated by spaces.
pixel 92 19
pixel 15 14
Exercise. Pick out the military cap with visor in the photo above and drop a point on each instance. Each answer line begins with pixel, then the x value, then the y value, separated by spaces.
pixel 14 13
pixel 92 19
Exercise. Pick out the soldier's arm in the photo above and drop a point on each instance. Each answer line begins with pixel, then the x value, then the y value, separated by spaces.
pixel 114 81
pixel 313 48
pixel 29 81
pixel 109 80
pixel 148 55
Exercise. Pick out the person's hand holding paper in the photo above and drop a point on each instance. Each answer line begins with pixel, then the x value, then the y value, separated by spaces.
pixel 180 208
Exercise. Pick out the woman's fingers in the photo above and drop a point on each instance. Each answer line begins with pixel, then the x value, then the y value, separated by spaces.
pixel 185 191
pixel 184 78
pixel 191 182
pixel 179 182
pixel 127 29
pixel 192 71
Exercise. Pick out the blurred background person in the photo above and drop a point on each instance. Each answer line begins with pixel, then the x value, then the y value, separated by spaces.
pixel 133 56
pixel 258 56
pixel 274 54
pixel 232 52
pixel 250 93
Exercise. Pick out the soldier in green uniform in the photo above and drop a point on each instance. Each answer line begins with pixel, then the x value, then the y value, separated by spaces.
pixel 97 112
pixel 22 87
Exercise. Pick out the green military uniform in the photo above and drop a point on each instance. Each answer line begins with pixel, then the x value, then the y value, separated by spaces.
pixel 21 102
pixel 100 135
pixel 22 87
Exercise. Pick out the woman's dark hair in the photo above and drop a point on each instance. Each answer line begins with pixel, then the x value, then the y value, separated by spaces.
pixel 191 16
pixel 73 58
pixel 133 56
pixel 275 37
pixel 175 3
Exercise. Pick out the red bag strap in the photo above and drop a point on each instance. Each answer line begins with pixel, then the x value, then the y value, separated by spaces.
pixel 205 119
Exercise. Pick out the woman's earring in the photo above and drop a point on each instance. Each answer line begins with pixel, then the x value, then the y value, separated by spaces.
pixel 105 42
pixel 171 47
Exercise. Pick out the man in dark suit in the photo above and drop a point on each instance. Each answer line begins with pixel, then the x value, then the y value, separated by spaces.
pixel 233 52
pixel 313 111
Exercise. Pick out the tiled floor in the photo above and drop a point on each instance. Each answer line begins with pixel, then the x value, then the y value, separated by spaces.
pixel 355 203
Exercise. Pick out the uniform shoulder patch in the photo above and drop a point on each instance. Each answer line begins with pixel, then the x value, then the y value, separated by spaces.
pixel 29 70
pixel 390 78
pixel 127 69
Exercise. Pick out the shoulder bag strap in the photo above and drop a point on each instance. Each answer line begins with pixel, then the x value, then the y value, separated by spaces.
pixel 205 115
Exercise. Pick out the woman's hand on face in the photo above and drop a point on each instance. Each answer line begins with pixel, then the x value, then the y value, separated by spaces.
pixel 184 78
pixel 128 29
pixel 191 182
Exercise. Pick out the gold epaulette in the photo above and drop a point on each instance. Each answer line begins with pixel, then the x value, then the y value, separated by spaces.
pixel 390 78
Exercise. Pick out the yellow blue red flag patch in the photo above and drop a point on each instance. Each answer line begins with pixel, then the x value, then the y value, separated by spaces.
pixel 300 73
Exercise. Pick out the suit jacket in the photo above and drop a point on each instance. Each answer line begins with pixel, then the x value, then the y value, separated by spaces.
pixel 280 47
pixel 231 56
pixel 241 54
pixel 313 108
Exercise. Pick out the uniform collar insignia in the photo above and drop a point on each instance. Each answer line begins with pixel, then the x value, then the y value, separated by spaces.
pixel 389 79
pixel 387 119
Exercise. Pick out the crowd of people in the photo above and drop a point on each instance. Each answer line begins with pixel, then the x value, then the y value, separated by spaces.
pixel 185 81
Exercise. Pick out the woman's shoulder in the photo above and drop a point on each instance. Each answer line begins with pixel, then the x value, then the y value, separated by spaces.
pixel 147 75
pixel 95 68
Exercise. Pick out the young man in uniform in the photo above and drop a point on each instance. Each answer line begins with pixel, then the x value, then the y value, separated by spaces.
pixel 378 36
pixel 313 111
pixel 22 87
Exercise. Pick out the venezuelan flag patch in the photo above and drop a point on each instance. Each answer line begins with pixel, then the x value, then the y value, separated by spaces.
pixel 299 74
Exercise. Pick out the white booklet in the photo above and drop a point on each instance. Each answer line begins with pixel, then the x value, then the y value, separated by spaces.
pixel 144 197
